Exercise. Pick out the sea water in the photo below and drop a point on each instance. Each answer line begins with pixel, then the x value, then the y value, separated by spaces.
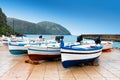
pixel 67 38
pixel 116 45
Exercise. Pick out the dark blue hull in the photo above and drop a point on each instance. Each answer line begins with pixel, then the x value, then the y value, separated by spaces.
pixel 18 52
pixel 70 63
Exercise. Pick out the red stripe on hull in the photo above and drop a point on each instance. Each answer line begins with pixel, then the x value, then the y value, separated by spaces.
pixel 106 50
pixel 37 57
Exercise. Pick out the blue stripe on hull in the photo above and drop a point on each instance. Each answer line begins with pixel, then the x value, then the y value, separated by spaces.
pixel 69 63
pixel 20 44
pixel 91 48
pixel 18 52
pixel 46 50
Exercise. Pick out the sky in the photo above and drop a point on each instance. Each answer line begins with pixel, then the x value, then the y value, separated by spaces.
pixel 77 16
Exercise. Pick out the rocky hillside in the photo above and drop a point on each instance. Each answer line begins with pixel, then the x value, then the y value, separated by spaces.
pixel 4 28
pixel 45 27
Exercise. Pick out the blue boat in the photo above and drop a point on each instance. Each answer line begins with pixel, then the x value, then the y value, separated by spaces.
pixel 76 54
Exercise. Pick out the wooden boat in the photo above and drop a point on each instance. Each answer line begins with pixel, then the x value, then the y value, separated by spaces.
pixel 5 41
pixel 44 51
pixel 72 55
pixel 17 47
pixel 106 44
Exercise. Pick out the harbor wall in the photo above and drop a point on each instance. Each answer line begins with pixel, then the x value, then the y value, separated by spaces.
pixel 110 37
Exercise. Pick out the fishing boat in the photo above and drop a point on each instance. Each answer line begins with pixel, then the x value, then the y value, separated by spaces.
pixel 107 45
pixel 5 41
pixel 44 51
pixel 17 47
pixel 76 54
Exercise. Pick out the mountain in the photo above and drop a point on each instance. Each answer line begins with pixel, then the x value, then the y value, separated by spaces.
pixel 21 26
pixel 45 27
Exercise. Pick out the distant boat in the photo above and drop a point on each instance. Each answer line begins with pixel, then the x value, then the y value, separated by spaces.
pixel 44 51
pixel 5 40
pixel 107 45
pixel 76 54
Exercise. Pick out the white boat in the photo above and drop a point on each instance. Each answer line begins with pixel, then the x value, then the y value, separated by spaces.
pixel 44 51
pixel 17 47
pixel 72 55
pixel 107 45
pixel 5 40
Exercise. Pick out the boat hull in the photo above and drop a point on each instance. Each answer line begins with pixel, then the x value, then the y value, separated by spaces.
pixel 38 53
pixel 17 49
pixel 18 52
pixel 69 60
pixel 71 56
pixel 5 42
pixel 38 57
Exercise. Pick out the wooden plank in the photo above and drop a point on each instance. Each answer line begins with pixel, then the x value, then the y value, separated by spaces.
pixel 64 73
pixel 19 72
pixel 92 73
pixel 111 64
pixel 79 73
pixel 7 61
pixel 38 72
pixel 51 71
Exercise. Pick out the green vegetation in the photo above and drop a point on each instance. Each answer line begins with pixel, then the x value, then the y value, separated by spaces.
pixel 4 29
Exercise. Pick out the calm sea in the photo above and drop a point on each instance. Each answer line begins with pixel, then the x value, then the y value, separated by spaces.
pixel 67 38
